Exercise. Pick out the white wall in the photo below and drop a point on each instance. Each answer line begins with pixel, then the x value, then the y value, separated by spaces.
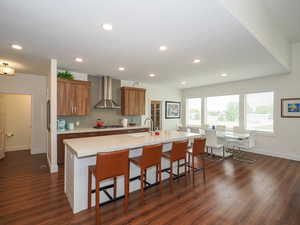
pixel 35 86
pixel 286 140
pixel 17 121
pixel 159 93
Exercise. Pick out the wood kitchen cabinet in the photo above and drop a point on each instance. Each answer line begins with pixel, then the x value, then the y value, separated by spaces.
pixel 73 97
pixel 133 101
pixel 62 137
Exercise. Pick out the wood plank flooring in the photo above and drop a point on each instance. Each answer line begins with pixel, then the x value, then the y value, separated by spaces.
pixel 236 193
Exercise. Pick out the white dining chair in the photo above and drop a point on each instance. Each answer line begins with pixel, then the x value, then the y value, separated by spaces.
pixel 238 147
pixel 212 142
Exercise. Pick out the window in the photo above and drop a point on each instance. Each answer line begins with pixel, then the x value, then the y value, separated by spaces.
pixel 259 111
pixel 223 110
pixel 194 112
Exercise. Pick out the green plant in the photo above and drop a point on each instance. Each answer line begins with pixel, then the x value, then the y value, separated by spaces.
pixel 65 75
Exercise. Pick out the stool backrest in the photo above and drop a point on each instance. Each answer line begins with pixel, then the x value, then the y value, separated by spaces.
pixel 199 146
pixel 151 155
pixel 179 149
pixel 112 164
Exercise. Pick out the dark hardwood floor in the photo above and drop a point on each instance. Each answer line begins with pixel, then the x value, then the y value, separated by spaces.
pixel 236 193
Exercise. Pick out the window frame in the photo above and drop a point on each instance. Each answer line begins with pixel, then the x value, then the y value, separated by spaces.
pixel 268 133
pixel 188 112
pixel 239 107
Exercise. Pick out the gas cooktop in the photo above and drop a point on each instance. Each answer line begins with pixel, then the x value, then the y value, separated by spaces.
pixel 110 126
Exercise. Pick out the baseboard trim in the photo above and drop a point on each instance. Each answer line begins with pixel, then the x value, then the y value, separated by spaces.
pixel 16 148
pixel 273 154
pixel 53 167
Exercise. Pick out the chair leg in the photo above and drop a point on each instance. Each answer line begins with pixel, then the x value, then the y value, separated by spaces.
pixel 160 179
pixel 115 187
pixel 178 162
pixel 90 190
pixel 223 152
pixel 98 216
pixel 171 176
pixel 156 174
pixel 193 169
pixel 185 170
pixel 203 165
pixel 126 193
pixel 142 185
pixel 189 162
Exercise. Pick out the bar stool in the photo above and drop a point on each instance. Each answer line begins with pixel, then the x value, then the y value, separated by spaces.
pixel 151 156
pixel 177 153
pixel 109 165
pixel 198 149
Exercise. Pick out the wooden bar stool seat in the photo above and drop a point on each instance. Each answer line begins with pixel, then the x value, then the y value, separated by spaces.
pixel 177 153
pixel 197 150
pixel 151 156
pixel 108 165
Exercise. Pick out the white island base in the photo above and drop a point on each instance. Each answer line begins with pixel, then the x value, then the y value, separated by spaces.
pixel 76 168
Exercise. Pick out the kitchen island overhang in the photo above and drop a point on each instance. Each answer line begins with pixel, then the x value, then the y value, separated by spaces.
pixel 81 153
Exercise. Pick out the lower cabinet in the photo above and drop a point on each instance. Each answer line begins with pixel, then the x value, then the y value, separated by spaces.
pixel 62 137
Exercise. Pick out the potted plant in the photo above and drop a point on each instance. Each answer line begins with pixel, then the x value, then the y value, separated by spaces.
pixel 65 75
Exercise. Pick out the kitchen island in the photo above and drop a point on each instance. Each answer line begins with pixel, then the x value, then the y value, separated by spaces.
pixel 81 152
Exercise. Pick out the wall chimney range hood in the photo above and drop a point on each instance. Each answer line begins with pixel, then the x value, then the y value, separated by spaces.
pixel 105 94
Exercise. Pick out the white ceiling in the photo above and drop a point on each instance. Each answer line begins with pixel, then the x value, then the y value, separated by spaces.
pixel 200 29
pixel 286 13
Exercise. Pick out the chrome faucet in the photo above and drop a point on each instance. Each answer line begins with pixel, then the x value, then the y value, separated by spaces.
pixel 151 121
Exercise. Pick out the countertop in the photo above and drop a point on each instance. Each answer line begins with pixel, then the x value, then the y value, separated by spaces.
pixel 87 130
pixel 90 146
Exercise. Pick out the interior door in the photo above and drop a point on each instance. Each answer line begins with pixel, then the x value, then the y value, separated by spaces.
pixel 2 127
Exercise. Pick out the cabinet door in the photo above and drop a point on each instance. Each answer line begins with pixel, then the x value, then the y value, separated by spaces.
pixel 140 99
pixel 65 98
pixel 133 101
pixel 82 99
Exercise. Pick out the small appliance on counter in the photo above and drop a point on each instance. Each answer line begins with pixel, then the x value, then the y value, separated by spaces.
pixel 124 122
pixel 61 125
pixel 70 126
pixel 99 123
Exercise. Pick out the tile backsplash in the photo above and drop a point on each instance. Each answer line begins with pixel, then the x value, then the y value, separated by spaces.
pixel 109 116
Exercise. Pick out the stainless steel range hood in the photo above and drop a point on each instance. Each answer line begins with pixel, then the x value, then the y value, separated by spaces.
pixel 105 94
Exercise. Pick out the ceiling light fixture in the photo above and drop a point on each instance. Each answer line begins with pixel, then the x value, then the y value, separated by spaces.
pixel 183 82
pixel 152 75
pixel 6 70
pixel 223 75
pixel 17 47
pixel 163 48
pixel 107 26
pixel 196 60
pixel 77 59
pixel 121 69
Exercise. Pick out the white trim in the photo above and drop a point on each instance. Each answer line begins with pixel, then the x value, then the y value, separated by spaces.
pixel 53 168
pixel 16 148
pixel 273 154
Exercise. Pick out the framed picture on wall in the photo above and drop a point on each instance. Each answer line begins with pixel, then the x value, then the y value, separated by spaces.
pixel 172 110
pixel 290 107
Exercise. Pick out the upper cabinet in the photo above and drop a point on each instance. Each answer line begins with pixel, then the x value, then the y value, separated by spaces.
pixel 73 97
pixel 133 101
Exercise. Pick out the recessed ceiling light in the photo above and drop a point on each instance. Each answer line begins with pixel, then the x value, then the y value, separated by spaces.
pixel 152 75
pixel 121 68
pixel 77 59
pixel 107 26
pixel 18 47
pixel 163 48
pixel 183 82
pixel 196 60
pixel 223 75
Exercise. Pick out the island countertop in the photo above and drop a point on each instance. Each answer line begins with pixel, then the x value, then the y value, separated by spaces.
pixel 89 129
pixel 90 146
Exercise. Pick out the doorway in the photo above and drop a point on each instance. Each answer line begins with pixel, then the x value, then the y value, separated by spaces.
pixel 15 123
pixel 156 114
